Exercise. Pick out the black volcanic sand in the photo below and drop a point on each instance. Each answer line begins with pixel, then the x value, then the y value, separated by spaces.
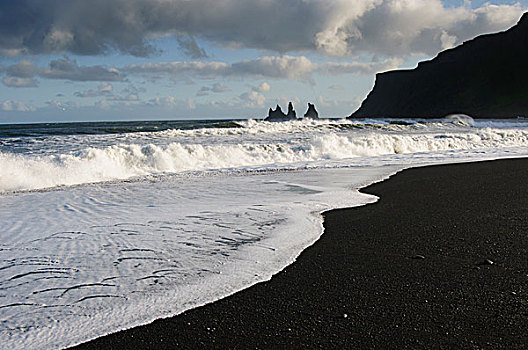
pixel 408 271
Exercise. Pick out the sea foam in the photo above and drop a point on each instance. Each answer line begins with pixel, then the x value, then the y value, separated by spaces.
pixel 268 146
pixel 209 212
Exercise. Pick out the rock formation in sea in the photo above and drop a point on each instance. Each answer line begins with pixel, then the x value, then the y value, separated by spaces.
pixel 486 77
pixel 291 112
pixel 278 114
pixel 311 112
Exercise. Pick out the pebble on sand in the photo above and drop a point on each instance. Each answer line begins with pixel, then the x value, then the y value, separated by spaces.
pixel 486 262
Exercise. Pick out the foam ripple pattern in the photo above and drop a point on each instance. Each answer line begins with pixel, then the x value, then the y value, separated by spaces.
pixel 102 232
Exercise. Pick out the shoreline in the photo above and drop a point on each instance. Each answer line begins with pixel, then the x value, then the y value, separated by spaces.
pixel 420 280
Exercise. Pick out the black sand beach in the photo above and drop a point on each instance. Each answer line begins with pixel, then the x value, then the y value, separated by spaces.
pixel 440 261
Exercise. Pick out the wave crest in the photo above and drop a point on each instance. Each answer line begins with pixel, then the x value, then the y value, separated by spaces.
pixel 117 162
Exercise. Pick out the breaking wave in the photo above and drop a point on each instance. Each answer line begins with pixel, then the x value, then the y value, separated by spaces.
pixel 123 161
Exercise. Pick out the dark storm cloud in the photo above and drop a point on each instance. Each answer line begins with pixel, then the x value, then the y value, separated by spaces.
pixel 24 73
pixel 68 69
pixel 77 26
pixel 336 28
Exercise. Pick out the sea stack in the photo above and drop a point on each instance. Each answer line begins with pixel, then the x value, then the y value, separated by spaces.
pixel 311 112
pixel 278 114
pixel 485 78
pixel 291 112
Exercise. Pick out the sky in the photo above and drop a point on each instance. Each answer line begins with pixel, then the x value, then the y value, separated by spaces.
pixel 91 60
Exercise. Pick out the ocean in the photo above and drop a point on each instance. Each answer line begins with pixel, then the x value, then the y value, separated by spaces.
pixel 109 225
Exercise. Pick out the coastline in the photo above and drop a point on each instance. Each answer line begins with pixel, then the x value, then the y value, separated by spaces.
pixel 364 282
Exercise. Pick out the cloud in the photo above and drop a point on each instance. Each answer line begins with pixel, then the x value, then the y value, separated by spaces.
pixel 253 99
pixel 176 68
pixel 263 87
pixel 167 102
pixel 400 28
pixel 77 26
pixel 125 98
pixel 334 108
pixel 23 69
pixel 104 89
pixel 447 41
pixel 284 67
pixel 132 89
pixel 20 75
pixel 17 106
pixel 335 28
pixel 191 48
pixel 171 102
pixel 23 73
pixel 68 69
pixel 102 104
pixel 19 82
pixel 61 105
pixel 289 67
pixel 285 100
pixel 217 87
pixel 300 68
pixel 339 68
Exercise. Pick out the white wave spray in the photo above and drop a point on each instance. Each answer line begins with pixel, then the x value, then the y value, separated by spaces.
pixel 286 150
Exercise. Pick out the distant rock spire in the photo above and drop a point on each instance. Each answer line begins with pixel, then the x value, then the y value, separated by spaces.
pixel 291 112
pixel 311 112
pixel 278 114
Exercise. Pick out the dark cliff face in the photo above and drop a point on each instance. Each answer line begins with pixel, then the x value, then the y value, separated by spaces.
pixel 486 77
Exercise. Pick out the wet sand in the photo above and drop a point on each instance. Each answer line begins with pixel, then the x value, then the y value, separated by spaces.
pixel 440 261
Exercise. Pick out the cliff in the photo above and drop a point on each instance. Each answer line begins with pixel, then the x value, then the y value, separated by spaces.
pixel 486 77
